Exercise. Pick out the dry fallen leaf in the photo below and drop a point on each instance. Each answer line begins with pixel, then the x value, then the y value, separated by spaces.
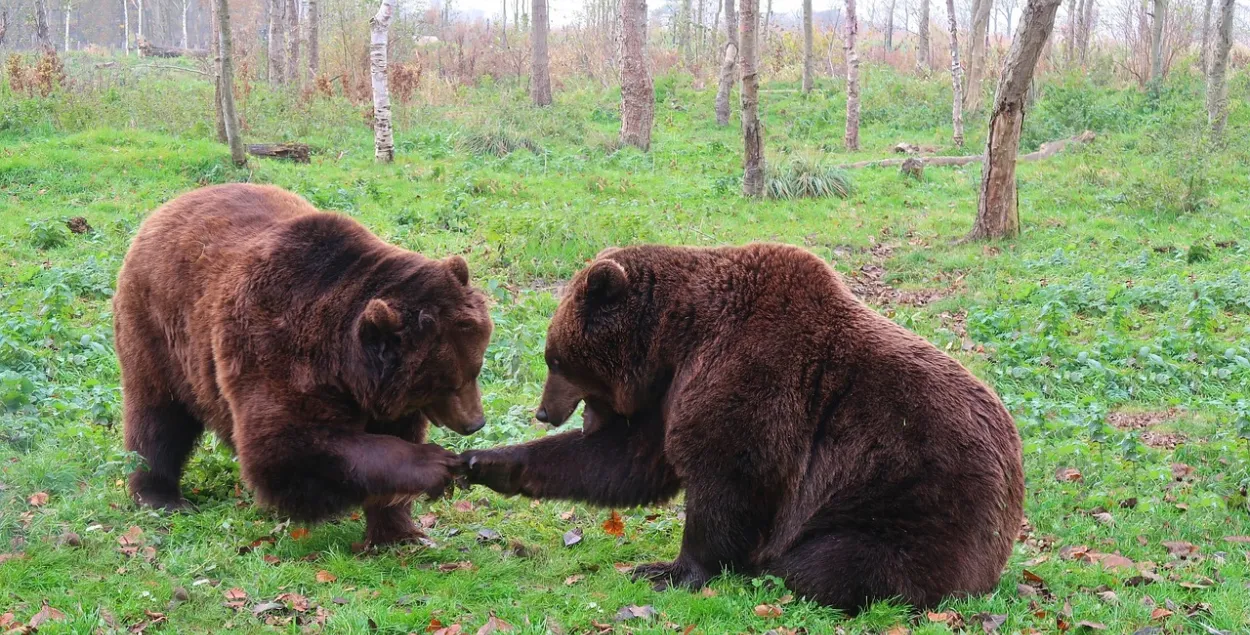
pixel 1180 549
pixel 270 559
pixel 573 579
pixel 299 533
pixel 38 499
pixel 236 595
pixel 295 601
pixel 448 567
pixel 494 625
pixel 1073 553
pixel 635 612
pixel 989 622
pixel 6 620
pixel 898 630
pixel 5 557
pixel 463 506
pixel 1180 471
pixel 1091 625
pixel 622 567
pixel 1033 578
pixel 572 536
pixel 768 610
pixel 45 614
pixel 1115 561
pixel 324 576
pixel 428 521
pixel 614 526
pixel 708 592
pixel 1068 474
pixel 454 629
pixel 567 516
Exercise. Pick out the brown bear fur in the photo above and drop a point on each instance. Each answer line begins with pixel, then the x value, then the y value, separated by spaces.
pixel 316 350
pixel 815 439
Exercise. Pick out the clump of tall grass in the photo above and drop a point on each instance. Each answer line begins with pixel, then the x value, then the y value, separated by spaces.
pixel 499 142
pixel 807 177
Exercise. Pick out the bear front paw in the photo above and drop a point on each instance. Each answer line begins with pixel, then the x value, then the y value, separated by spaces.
pixel 494 469
pixel 664 575
pixel 438 469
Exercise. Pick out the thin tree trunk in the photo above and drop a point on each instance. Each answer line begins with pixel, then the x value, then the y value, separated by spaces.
pixel 976 54
pixel 1085 16
pixel 139 6
pixel 889 27
pixel 851 139
pixel 277 32
pixel 957 107
pixel 215 49
pixel 1070 37
pixel 1205 58
pixel 761 41
pixel 314 50
pixel 186 7
pixel 540 66
pixel 226 69
pixel 42 35
pixel 69 10
pixel 292 42
pixel 807 46
pixel 727 72
pixel 1156 40
pixel 752 135
pixel 997 212
pixel 379 30
pixel 637 91
pixel 922 48
pixel 126 26
pixel 1217 89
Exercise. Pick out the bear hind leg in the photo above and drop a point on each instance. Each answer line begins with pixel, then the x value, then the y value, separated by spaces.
pixel 387 524
pixel 849 571
pixel 164 436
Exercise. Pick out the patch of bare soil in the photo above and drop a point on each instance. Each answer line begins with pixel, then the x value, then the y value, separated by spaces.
pixel 868 283
pixel 1145 423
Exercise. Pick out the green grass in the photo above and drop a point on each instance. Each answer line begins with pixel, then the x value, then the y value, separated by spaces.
pixel 1128 292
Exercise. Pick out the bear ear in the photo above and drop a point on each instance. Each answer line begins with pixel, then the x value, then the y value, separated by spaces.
pixel 605 282
pixel 459 268
pixel 379 322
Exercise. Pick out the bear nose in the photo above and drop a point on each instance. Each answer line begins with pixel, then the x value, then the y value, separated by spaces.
pixel 476 425
pixel 541 415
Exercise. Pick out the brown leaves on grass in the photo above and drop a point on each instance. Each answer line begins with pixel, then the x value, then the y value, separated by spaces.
pixel 1160 614
pixel 38 499
pixel 768 610
pixel 1180 471
pixel 5 557
pixel 951 619
pixel 464 506
pixel 573 579
pixel 299 533
pixel 494 625
pixel 448 567
pixel 1068 475
pixel 236 598
pixel 45 614
pixel 428 521
pixel 572 536
pixel 614 526
pixel 325 577
pixel 633 612
pixel 1180 549
pixel 989 622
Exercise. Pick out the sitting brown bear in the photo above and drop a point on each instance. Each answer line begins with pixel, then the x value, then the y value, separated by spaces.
pixel 815 439
pixel 313 348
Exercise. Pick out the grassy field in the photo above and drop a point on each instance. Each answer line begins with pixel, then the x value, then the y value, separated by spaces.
pixel 1116 329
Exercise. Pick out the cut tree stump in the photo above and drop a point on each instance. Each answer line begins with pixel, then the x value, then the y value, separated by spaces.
pixel 913 167
pixel 1048 149
pixel 297 152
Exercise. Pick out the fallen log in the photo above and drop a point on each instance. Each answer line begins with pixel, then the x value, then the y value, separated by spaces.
pixel 148 49
pixel 297 152
pixel 1048 149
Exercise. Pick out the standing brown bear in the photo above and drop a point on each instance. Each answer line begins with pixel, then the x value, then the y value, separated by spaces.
pixel 316 350
pixel 815 439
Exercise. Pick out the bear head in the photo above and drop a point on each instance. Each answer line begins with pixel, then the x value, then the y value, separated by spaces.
pixel 420 344
pixel 601 347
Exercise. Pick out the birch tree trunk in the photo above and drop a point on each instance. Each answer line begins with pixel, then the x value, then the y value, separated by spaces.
pixel 379 30
pixel 957 108
pixel 186 8
pixel 728 76
pixel 230 118
pixel 68 7
pixel 314 49
pixel 976 52
pixel 889 27
pixel 1070 36
pixel 1205 58
pixel 540 66
pixel 851 138
pixel 276 41
pixel 126 25
pixel 997 212
pixel 1217 88
pixel 1156 40
pixel 292 42
pixel 807 46
pixel 215 46
pixel 922 48
pixel 761 39
pixel 637 91
pixel 139 7
pixel 1084 27
pixel 752 135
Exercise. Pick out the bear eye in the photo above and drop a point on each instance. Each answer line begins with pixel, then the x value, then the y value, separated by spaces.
pixel 553 363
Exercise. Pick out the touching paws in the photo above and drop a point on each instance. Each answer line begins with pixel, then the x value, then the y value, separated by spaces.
pixel 497 469
pixel 439 467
